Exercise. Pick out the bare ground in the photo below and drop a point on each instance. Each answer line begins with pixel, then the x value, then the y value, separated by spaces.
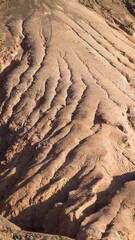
pixel 67 118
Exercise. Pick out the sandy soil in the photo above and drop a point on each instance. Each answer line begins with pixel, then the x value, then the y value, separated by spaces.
pixel 67 117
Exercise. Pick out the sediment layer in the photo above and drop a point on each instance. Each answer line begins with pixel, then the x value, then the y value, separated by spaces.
pixel 67 119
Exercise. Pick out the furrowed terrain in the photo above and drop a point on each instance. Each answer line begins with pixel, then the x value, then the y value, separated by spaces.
pixel 67 117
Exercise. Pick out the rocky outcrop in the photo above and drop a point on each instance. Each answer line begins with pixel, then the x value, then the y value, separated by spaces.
pixel 116 13
pixel 67 119
pixel 5 225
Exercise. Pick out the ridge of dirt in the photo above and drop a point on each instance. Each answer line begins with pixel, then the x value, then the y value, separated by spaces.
pixel 9 231
pixel 67 118
pixel 23 235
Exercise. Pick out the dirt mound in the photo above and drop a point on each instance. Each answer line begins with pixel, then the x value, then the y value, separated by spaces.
pixel 67 118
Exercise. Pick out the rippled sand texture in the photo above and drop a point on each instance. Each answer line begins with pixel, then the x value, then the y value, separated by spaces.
pixel 67 117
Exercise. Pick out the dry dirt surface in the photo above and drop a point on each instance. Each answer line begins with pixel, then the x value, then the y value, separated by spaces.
pixel 67 117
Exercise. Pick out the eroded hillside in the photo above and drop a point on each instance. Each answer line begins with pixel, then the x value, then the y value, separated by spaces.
pixel 67 119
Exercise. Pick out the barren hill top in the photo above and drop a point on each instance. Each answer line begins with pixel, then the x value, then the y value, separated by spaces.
pixel 67 117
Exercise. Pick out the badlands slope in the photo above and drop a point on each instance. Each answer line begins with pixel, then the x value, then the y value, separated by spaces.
pixel 67 118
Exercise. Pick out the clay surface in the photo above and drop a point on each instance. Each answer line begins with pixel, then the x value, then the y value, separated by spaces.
pixel 67 117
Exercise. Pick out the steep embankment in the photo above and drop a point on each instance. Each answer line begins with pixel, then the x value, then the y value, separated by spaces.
pixel 119 14
pixel 9 231
pixel 67 120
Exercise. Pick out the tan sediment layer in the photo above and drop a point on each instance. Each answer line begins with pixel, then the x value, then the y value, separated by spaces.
pixel 67 120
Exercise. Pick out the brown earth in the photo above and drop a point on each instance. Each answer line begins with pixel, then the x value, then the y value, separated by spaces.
pixel 67 117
